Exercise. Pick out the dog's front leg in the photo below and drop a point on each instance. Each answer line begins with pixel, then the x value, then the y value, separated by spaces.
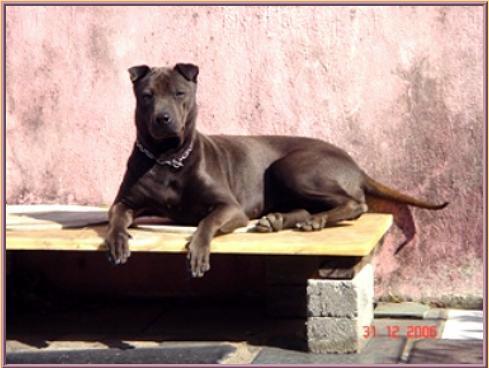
pixel 120 218
pixel 223 218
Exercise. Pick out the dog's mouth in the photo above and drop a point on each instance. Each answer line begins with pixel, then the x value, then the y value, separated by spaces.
pixel 170 140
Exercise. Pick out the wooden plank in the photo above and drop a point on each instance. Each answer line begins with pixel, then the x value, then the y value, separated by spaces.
pixel 352 238
pixel 344 268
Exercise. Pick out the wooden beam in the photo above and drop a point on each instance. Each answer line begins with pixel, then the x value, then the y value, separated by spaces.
pixel 352 238
pixel 342 268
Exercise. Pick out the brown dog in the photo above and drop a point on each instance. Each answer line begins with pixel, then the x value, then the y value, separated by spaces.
pixel 220 182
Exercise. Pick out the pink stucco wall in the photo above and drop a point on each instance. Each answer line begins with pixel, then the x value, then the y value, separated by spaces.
pixel 400 88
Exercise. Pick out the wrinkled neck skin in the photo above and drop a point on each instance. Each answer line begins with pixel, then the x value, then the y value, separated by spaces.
pixel 165 148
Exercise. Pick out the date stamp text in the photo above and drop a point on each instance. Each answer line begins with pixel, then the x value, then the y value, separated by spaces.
pixel 395 331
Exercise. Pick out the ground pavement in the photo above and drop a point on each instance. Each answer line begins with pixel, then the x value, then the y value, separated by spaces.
pixel 228 332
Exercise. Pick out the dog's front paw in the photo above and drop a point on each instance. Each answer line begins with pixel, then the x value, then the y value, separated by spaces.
pixel 118 246
pixel 269 223
pixel 198 256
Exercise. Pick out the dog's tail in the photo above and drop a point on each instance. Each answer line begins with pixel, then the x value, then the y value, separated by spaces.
pixel 376 189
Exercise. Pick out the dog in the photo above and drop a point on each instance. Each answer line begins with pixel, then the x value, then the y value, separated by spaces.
pixel 219 182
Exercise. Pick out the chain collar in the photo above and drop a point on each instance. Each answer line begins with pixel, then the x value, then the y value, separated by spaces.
pixel 176 162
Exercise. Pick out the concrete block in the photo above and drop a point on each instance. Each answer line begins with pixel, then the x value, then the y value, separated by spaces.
pixel 342 298
pixel 336 335
pixel 401 310
pixel 339 311
pixel 436 313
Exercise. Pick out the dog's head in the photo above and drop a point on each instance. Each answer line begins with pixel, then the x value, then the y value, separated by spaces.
pixel 165 102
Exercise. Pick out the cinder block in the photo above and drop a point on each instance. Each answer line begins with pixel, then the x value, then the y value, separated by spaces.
pixel 342 298
pixel 337 346
pixel 338 310
pixel 337 335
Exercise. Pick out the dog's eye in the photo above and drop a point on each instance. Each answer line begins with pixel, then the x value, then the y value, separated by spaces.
pixel 179 94
pixel 147 97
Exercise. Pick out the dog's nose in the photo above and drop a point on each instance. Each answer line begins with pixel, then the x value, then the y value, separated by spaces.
pixel 163 118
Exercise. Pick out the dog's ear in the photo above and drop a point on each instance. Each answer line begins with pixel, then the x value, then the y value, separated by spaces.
pixel 189 71
pixel 137 72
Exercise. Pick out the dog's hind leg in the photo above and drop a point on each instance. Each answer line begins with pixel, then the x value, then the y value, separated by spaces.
pixel 348 211
pixel 277 221
pixel 305 221
pixel 327 188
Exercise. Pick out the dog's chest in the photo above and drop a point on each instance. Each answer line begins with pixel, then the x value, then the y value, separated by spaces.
pixel 175 196
pixel 163 187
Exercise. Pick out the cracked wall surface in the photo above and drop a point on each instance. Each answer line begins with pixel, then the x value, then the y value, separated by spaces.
pixel 400 88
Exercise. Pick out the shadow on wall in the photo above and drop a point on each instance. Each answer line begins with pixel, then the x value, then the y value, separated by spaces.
pixel 403 218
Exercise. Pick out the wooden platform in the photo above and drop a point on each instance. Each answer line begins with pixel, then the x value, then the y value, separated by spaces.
pixel 74 228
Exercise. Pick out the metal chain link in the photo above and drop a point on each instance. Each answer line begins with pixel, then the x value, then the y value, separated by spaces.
pixel 176 162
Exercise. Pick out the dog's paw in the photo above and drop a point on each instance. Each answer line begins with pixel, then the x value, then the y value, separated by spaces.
pixel 269 223
pixel 198 256
pixel 312 224
pixel 117 243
